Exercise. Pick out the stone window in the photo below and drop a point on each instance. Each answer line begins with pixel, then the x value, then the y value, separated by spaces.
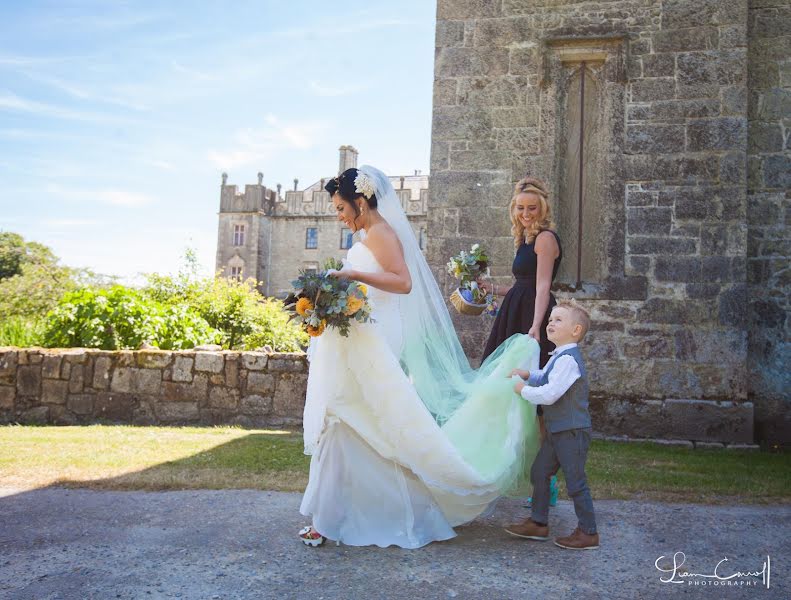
pixel 579 203
pixel 311 267
pixel 312 238
pixel 422 238
pixel 584 80
pixel 346 238
pixel 403 197
pixel 238 235
pixel 235 267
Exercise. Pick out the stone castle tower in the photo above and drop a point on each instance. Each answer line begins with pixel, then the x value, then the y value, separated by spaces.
pixel 662 128
pixel 270 234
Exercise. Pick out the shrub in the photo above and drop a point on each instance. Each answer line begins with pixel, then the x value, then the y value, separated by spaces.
pixel 120 317
pixel 245 318
pixel 272 327
pixel 21 332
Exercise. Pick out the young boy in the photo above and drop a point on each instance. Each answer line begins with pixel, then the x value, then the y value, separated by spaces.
pixel 561 387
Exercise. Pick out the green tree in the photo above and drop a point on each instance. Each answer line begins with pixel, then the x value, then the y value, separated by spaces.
pixel 12 249
pixel 15 252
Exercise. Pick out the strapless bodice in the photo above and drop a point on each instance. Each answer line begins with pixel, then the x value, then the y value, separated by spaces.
pixel 384 305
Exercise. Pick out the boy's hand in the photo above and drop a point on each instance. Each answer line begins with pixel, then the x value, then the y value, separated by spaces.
pixel 519 386
pixel 520 373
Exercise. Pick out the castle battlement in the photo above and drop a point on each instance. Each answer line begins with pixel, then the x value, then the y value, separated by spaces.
pixel 255 198
pixel 270 234
pixel 313 201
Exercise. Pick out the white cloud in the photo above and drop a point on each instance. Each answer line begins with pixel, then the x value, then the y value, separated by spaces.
pixel 82 93
pixel 7 60
pixel 335 28
pixel 161 164
pixel 257 145
pixel 331 91
pixel 12 102
pixel 114 197
pixel 192 73
pixel 71 222
pixel 99 23
pixel 123 198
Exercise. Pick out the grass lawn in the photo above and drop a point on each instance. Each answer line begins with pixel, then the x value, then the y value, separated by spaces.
pixel 170 458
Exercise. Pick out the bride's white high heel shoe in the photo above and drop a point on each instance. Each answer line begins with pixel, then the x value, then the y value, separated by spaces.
pixel 311 537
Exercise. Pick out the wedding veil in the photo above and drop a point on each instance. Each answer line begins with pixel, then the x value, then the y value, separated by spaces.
pixel 431 354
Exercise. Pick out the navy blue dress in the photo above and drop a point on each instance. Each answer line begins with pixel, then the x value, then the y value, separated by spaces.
pixel 518 306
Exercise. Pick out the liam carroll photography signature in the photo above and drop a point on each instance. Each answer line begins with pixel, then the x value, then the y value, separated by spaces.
pixel 721 576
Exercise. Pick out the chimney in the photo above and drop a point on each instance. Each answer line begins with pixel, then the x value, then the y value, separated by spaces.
pixel 279 187
pixel 348 158
pixel 296 183
pixel 260 178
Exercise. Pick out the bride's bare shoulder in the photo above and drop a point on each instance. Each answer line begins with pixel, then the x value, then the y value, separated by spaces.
pixel 382 240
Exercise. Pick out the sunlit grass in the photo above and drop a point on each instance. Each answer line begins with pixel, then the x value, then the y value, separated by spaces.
pixel 646 470
pixel 125 457
pixel 171 458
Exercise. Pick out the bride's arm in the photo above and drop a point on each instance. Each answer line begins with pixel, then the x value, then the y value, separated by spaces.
pixel 388 252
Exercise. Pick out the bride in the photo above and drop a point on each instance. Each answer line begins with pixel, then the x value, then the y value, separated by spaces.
pixel 406 440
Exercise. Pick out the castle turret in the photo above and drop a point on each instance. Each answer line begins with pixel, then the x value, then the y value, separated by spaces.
pixel 348 158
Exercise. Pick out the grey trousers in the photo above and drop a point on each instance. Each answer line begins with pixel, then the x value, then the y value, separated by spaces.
pixel 565 450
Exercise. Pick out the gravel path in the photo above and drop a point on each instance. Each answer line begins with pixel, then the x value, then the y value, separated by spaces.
pixel 59 543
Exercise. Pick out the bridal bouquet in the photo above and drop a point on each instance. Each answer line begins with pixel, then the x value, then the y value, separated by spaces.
pixel 320 301
pixel 469 298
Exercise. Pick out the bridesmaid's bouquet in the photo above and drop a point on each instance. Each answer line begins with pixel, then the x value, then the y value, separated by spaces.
pixel 467 267
pixel 320 301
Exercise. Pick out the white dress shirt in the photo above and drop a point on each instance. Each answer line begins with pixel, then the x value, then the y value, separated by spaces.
pixel 563 374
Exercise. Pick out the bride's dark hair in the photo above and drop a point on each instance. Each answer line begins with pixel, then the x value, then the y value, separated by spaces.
pixel 343 184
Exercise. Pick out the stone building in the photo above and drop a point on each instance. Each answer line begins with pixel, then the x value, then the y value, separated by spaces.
pixel 270 234
pixel 663 128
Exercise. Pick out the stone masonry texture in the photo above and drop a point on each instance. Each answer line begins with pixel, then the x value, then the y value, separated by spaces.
pixel 695 110
pixel 152 387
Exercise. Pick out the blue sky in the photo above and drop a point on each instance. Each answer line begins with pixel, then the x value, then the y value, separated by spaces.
pixel 118 118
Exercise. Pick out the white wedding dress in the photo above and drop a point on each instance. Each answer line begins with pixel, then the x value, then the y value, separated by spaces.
pixel 383 472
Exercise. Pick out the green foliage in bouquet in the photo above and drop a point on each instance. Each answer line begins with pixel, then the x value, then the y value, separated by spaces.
pixel 320 301
pixel 467 267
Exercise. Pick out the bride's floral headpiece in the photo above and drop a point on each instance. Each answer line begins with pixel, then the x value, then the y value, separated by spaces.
pixel 363 185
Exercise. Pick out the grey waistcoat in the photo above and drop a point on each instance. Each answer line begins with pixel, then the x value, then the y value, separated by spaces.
pixel 570 411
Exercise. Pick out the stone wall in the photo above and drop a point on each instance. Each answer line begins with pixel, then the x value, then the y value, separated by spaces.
pixel 670 322
pixel 256 389
pixel 66 387
pixel 769 216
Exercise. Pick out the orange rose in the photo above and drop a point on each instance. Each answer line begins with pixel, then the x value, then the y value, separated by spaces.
pixel 316 331
pixel 353 304
pixel 303 306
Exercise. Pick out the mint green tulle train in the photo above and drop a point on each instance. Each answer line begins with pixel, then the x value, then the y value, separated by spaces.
pixel 495 429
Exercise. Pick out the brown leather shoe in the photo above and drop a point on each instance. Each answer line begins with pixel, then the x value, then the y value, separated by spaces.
pixel 530 530
pixel 578 540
